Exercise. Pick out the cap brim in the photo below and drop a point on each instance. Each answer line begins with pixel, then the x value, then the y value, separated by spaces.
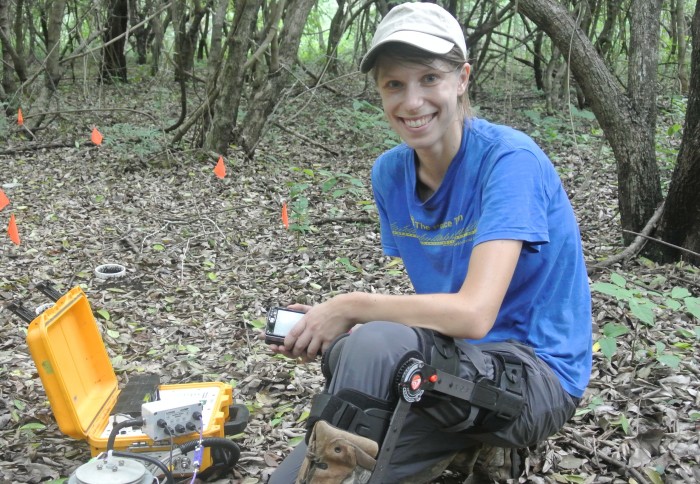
pixel 421 40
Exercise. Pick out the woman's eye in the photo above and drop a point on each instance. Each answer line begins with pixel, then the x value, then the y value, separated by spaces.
pixel 393 84
pixel 430 78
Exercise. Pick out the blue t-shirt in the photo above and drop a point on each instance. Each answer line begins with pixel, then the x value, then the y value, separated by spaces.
pixel 500 185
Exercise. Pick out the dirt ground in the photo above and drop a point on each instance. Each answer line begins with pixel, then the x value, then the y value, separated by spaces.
pixel 206 257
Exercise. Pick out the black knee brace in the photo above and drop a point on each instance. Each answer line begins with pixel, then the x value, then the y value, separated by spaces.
pixel 350 410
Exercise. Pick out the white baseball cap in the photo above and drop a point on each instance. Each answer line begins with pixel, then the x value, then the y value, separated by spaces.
pixel 426 26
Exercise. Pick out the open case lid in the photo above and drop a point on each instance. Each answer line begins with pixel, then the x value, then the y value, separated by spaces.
pixel 74 367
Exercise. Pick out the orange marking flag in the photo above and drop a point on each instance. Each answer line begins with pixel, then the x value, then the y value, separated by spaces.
pixel 96 137
pixel 12 230
pixel 285 216
pixel 20 118
pixel 4 201
pixel 220 168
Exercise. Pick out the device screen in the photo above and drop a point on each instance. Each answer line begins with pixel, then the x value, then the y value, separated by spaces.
pixel 285 321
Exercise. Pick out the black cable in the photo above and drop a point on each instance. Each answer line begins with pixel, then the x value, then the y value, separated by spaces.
pixel 134 422
pixel 210 442
pixel 214 442
pixel 151 460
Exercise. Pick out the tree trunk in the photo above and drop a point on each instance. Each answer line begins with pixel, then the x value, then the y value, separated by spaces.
pixel 335 33
pixel 140 33
pixel 113 56
pixel 20 64
pixel 157 26
pixel 186 26
pixel 53 41
pixel 217 32
pixel 8 75
pixel 680 221
pixel 604 42
pixel 625 118
pixel 681 28
pixel 226 107
pixel 202 45
pixel 537 60
pixel 52 69
pixel 265 100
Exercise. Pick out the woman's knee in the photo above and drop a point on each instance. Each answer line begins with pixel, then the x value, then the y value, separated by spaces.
pixel 381 340
pixel 370 355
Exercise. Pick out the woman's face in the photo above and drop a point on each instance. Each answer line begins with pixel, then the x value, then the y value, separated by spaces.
pixel 421 103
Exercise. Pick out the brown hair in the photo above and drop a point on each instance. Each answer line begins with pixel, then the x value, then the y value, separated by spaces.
pixel 410 54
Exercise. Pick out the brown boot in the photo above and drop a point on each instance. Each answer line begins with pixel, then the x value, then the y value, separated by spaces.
pixel 335 456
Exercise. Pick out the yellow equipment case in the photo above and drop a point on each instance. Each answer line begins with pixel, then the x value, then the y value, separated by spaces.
pixel 82 388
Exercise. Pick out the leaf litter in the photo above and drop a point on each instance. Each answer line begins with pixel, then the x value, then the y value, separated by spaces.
pixel 206 257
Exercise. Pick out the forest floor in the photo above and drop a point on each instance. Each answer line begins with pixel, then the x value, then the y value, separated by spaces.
pixel 206 257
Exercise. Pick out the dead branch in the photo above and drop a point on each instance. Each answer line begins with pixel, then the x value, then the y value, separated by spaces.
pixel 89 110
pixel 636 244
pixel 63 144
pixel 621 465
pixel 306 139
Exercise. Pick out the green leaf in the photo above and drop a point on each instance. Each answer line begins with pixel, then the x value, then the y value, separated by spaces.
pixel 112 333
pixel 296 440
pixel 258 323
pixel 192 349
pixel 680 293
pixel 682 345
pixel 692 304
pixel 654 476
pixel 303 417
pixel 643 310
pixel 612 290
pixel 104 313
pixel 685 333
pixel 33 426
pixel 668 359
pixel 158 247
pixel 624 423
pixel 672 304
pixel 328 184
pixel 347 264
pixel 618 280
pixel 673 129
pixel 614 330
pixel 694 416
pixel 212 276
pixel 608 346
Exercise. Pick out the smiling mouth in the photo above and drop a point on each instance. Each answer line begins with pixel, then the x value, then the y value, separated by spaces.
pixel 418 122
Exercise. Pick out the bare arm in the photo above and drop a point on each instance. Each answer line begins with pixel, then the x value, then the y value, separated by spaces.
pixel 469 313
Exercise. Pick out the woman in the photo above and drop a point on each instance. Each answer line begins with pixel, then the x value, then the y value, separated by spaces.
pixel 491 245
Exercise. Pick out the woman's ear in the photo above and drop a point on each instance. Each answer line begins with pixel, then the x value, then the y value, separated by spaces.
pixel 464 77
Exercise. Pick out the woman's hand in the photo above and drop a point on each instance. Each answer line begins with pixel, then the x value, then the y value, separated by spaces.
pixel 316 330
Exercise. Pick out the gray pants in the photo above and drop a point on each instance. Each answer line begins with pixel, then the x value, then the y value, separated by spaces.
pixel 368 364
